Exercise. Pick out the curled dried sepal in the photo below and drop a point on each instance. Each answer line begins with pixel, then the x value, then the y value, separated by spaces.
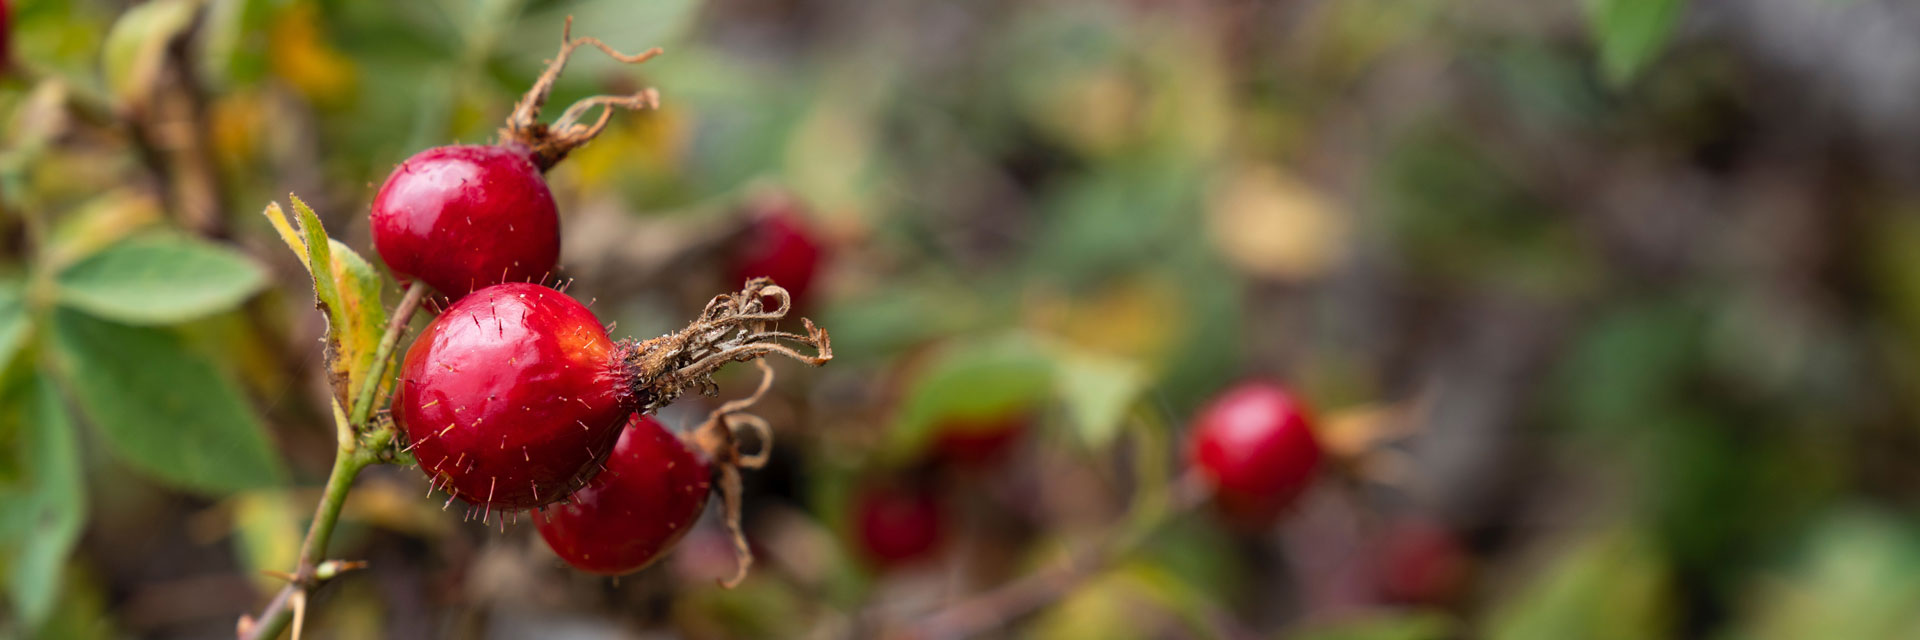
pixel 735 327
pixel 719 439
pixel 551 143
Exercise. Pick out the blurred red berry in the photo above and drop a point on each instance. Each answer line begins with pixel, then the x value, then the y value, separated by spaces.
pixel 1420 562
pixel 1255 448
pixel 778 244
pixel 898 524
pixel 978 442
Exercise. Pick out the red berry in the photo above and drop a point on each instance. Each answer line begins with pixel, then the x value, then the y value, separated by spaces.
pixel 898 524
pixel 1253 445
pixel 512 396
pixel 978 442
pixel 649 496
pixel 1421 562
pixel 779 245
pixel 464 217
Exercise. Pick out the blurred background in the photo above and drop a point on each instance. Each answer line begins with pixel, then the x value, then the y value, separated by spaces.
pixel 1607 310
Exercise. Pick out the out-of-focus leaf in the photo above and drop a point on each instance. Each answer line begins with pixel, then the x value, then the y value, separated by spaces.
pixel 1097 391
pixel 159 280
pixel 1119 605
pixel 1271 224
pixel 1394 626
pixel 41 520
pixel 349 294
pixel 102 222
pixel 266 526
pixel 135 50
pixel 300 53
pixel 985 378
pixel 1858 578
pixel 164 409
pixel 1611 586
pixel 13 319
pixel 1631 33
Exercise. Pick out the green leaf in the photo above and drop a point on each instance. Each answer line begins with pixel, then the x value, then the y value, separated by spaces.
pixel 1857 578
pixel 40 520
pixel 1097 391
pixel 159 280
pixel 349 295
pixel 13 320
pixel 136 46
pixel 164 409
pixel 1631 33
pixel 985 379
pixel 1612 586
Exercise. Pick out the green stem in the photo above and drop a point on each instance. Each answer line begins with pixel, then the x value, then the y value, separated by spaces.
pixel 346 465
pixel 370 386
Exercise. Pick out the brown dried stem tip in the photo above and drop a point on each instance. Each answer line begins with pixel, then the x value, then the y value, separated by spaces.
pixel 719 439
pixel 551 143
pixel 734 327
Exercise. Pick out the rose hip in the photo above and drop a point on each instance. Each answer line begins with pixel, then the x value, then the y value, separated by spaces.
pixel 650 494
pixel 1254 447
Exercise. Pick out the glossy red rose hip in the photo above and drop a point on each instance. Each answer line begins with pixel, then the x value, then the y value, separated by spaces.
pixel 510 398
pixel 898 524
pixel 779 245
pixel 1254 446
pixel 464 217
pixel 634 511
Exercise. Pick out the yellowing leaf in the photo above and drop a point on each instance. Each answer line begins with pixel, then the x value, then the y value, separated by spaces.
pixel 301 55
pixel 1273 225
pixel 1135 319
pixel 349 294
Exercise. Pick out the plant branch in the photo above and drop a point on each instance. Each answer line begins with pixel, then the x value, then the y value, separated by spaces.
pixel 290 603
pixel 364 401
pixel 272 620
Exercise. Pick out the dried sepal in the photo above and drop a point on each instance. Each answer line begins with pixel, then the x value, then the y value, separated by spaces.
pixel 551 143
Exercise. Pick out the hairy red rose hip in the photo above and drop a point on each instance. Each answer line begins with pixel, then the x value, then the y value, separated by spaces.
pixel 1255 449
pixel 464 217
pixel 511 396
pixel 647 498
pixel 898 524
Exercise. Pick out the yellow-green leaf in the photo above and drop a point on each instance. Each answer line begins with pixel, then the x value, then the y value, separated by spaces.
pixel 349 294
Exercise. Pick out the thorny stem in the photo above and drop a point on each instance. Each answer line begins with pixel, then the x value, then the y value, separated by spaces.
pixel 289 604
pixel 364 401
pixel 551 143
